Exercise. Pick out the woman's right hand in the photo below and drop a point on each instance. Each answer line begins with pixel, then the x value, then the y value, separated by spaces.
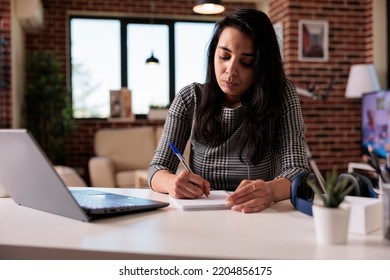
pixel 182 185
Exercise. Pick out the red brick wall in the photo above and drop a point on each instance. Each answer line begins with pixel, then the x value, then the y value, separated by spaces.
pixel 5 64
pixel 333 126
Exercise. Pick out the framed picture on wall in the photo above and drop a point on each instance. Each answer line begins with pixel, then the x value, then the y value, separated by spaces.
pixel 313 40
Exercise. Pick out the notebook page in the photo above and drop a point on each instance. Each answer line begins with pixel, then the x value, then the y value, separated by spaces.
pixel 215 201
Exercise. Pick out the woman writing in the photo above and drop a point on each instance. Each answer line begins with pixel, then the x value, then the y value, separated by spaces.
pixel 244 124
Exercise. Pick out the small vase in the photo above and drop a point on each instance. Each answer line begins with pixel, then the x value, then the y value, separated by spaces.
pixel 331 224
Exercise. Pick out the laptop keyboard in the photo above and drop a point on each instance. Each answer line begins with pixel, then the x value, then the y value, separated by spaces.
pixel 102 202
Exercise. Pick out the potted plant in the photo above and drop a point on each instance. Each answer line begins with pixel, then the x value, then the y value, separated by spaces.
pixel 47 108
pixel 331 216
pixel 157 112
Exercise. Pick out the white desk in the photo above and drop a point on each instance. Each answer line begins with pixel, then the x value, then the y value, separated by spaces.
pixel 276 233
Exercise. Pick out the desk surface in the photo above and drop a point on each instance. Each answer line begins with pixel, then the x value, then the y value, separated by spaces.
pixel 279 232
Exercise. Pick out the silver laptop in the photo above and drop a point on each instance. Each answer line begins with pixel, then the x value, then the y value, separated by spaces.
pixel 30 180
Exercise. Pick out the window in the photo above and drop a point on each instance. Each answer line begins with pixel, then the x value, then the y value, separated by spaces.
pixel 108 54
pixel 95 65
pixel 191 43
pixel 149 83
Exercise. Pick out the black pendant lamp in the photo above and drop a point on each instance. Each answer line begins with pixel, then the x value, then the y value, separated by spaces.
pixel 208 7
pixel 152 60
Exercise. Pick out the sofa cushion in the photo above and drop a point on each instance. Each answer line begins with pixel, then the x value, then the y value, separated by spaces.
pixel 129 148
pixel 125 179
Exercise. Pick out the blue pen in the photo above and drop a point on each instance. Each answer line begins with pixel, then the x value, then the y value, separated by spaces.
pixel 181 158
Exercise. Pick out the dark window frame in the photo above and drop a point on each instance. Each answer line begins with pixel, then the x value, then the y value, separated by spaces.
pixel 124 21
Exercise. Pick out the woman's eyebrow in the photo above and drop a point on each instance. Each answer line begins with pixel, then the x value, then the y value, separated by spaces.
pixel 228 50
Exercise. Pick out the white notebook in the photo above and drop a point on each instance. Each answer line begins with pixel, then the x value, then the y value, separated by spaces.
pixel 215 201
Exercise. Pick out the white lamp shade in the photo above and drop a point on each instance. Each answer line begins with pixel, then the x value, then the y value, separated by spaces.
pixel 362 79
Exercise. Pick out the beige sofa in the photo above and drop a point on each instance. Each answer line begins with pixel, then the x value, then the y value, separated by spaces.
pixel 69 176
pixel 122 156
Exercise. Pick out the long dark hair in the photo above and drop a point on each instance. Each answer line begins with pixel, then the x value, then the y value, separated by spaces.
pixel 263 98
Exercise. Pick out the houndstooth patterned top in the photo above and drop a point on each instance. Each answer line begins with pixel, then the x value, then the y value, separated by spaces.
pixel 221 165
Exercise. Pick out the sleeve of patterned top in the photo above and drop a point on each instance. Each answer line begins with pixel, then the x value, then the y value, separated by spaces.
pixel 177 129
pixel 292 150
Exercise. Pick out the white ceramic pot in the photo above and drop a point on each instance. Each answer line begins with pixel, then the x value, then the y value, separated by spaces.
pixel 331 224
pixel 157 114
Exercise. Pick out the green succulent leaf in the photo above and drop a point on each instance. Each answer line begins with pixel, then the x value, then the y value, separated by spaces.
pixel 336 189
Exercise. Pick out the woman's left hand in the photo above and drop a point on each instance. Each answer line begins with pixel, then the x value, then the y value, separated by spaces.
pixel 251 196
